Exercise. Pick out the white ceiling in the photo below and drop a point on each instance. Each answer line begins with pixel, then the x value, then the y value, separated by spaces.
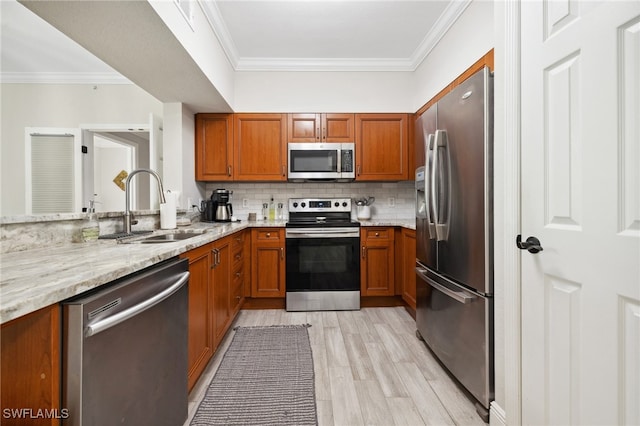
pixel 256 35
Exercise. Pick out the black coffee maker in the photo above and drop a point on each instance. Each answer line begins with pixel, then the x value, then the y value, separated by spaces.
pixel 221 206
pixel 218 208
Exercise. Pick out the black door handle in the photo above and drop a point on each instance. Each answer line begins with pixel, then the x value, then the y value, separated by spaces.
pixel 532 245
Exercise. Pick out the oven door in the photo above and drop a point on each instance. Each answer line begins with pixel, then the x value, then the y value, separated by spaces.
pixel 323 259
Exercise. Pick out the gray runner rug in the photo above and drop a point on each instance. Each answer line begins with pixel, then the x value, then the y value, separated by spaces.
pixel 265 378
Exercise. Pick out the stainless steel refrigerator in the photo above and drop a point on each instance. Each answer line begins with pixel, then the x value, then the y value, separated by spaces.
pixel 454 230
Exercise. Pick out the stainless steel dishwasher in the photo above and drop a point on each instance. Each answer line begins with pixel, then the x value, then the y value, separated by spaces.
pixel 125 350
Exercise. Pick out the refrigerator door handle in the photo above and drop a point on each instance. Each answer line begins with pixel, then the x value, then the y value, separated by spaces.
pixel 429 188
pixel 458 296
pixel 442 171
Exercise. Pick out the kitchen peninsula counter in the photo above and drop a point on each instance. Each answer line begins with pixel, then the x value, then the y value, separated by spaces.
pixel 33 279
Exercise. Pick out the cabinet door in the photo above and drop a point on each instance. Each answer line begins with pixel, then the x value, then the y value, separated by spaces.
pixel 338 127
pixel 267 262
pixel 329 127
pixel 221 288
pixel 201 344
pixel 303 127
pixel 408 266
pixel 260 148
pixel 382 150
pixel 30 365
pixel 378 262
pixel 214 147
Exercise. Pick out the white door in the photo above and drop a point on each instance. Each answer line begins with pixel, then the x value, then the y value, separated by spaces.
pixel 581 198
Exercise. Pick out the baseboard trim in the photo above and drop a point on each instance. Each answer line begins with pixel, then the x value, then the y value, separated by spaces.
pixel 497 416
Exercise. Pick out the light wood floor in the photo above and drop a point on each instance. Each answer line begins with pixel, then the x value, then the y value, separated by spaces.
pixel 370 369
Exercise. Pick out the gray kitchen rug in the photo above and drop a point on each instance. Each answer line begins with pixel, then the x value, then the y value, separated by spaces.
pixel 265 378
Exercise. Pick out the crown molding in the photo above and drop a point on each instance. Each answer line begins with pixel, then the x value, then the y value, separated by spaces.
pixel 219 28
pixel 433 37
pixel 63 78
pixel 323 64
pixel 439 29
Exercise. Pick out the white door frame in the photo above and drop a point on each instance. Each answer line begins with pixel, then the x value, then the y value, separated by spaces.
pixel 507 190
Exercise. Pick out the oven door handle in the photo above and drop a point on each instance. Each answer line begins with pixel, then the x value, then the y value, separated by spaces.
pixel 321 233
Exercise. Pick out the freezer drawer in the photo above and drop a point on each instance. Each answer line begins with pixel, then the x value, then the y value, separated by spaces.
pixel 457 325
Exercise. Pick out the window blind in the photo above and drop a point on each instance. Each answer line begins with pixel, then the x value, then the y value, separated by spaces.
pixel 52 174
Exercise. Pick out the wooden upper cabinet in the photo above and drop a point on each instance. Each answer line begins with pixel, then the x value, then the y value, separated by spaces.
pixel 382 147
pixel 260 147
pixel 214 147
pixel 326 127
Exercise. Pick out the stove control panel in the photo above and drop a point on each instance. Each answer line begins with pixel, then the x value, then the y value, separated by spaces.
pixel 319 205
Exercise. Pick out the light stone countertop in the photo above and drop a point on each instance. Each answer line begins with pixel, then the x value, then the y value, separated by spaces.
pixel 33 279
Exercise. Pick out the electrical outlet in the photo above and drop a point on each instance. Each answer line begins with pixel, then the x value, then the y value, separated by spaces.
pixel 391 202
pixel 245 202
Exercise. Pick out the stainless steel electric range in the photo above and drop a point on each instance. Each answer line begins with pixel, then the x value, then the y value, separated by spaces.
pixel 323 262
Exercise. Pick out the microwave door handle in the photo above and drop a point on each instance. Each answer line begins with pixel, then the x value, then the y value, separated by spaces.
pixel 339 160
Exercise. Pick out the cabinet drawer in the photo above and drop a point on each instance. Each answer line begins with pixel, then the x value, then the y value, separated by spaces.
pixel 238 257
pixel 237 279
pixel 378 234
pixel 236 295
pixel 238 240
pixel 272 234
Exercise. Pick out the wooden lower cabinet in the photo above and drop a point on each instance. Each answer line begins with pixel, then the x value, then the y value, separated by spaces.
pixel 407 263
pixel 238 270
pixel 213 300
pixel 30 367
pixel 221 270
pixel 267 262
pixel 201 335
pixel 377 266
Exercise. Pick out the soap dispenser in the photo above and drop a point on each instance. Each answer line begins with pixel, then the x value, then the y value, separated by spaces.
pixel 272 209
pixel 91 230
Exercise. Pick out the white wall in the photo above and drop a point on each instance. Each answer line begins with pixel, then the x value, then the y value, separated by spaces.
pixel 179 154
pixel 323 92
pixel 470 38
pixel 202 45
pixel 59 105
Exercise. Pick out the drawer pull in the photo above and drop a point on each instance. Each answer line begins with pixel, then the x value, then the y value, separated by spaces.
pixel 377 234
pixel 268 234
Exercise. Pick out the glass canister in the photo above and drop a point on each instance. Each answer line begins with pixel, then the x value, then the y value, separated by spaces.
pixel 280 212
pixel 265 211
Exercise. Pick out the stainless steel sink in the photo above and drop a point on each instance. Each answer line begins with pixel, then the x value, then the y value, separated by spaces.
pixel 163 238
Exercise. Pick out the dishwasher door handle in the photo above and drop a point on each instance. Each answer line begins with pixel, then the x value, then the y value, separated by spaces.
pixel 116 319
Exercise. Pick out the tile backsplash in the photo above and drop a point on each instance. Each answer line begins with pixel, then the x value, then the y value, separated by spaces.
pixel 255 194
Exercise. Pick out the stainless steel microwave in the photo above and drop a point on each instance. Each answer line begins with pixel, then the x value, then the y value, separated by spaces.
pixel 321 161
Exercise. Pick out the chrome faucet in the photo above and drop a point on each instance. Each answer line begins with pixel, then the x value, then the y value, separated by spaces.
pixel 127 210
